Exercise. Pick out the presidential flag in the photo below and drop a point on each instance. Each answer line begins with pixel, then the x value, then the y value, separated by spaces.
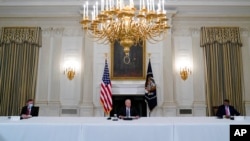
pixel 106 92
pixel 150 89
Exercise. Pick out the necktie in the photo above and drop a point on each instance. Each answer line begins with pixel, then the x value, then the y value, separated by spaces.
pixel 227 111
pixel 28 111
pixel 127 112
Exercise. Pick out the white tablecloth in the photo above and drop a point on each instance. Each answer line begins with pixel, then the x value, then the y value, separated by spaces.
pixel 101 129
pixel 203 129
pixel 144 129
pixel 39 129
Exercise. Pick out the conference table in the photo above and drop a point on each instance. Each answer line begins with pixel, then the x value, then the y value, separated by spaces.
pixel 101 129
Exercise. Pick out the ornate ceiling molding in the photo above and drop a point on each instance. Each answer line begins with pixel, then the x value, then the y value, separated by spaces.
pixel 73 8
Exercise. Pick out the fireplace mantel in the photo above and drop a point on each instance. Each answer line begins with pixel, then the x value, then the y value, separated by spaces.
pixel 128 87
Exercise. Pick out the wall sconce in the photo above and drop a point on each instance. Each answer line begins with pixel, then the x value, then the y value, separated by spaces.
pixel 70 69
pixel 185 72
pixel 70 72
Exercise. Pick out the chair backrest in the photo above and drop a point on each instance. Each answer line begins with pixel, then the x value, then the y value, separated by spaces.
pixel 35 111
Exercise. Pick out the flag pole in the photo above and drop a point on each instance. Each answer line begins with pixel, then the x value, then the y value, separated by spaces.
pixel 107 114
pixel 149 112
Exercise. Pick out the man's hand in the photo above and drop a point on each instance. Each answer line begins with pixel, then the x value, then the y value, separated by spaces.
pixel 24 116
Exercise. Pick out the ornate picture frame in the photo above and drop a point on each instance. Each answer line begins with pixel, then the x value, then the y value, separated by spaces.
pixel 130 67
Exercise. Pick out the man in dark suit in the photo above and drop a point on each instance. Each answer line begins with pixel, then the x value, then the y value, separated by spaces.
pixel 29 110
pixel 128 111
pixel 226 110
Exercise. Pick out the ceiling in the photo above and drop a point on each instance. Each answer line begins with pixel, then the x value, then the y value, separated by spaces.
pixel 73 8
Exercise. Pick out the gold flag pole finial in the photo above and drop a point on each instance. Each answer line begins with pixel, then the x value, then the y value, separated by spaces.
pixel 149 55
pixel 106 55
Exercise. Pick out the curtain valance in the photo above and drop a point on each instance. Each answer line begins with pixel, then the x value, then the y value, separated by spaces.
pixel 221 35
pixel 21 35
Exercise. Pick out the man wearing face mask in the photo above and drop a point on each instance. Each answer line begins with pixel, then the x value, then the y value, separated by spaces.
pixel 29 110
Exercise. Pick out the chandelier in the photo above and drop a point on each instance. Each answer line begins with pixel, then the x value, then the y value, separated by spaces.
pixel 124 23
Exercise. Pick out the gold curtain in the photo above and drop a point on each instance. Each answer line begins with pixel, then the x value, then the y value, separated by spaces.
pixel 223 62
pixel 19 53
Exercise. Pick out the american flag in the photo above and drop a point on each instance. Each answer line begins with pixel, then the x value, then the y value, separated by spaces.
pixel 106 92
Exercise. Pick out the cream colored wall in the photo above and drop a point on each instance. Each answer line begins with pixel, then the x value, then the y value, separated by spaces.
pixel 55 92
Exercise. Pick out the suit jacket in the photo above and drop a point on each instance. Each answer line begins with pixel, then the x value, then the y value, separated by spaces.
pixel 34 110
pixel 133 112
pixel 221 111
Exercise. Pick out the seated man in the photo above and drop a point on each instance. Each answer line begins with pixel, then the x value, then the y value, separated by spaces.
pixel 226 110
pixel 128 111
pixel 29 110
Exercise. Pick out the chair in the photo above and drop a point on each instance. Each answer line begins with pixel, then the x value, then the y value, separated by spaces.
pixel 35 111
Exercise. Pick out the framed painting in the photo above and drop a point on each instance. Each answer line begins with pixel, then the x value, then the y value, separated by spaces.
pixel 128 67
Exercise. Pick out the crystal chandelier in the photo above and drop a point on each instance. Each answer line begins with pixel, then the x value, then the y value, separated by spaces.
pixel 123 23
